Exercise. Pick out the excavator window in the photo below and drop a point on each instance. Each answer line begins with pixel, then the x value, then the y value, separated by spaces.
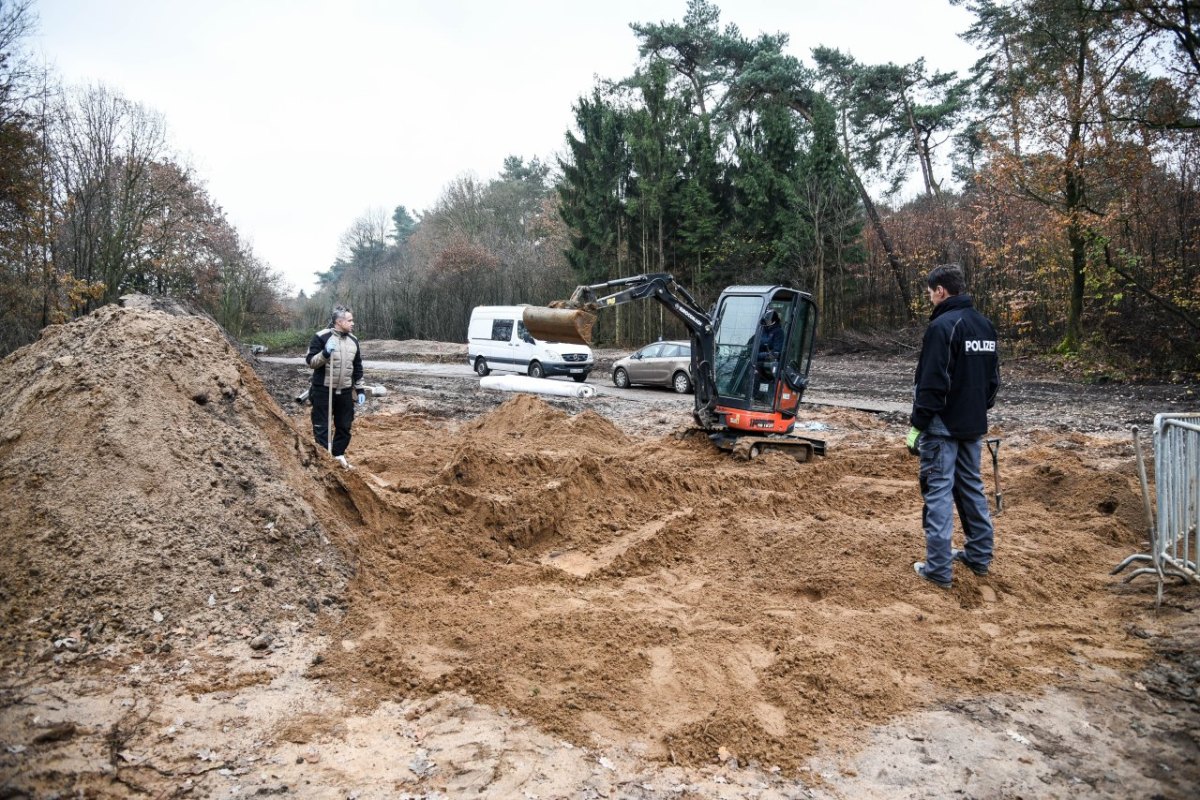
pixel 799 350
pixel 735 335
pixel 738 373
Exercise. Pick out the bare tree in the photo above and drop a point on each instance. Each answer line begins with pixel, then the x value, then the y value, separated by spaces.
pixel 366 235
pixel 106 149
pixel 18 74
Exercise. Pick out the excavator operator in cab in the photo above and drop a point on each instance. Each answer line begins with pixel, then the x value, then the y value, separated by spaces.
pixel 770 344
pixel 770 350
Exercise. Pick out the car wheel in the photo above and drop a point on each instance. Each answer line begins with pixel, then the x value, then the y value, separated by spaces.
pixel 481 367
pixel 535 370
pixel 681 382
pixel 620 378
pixel 579 378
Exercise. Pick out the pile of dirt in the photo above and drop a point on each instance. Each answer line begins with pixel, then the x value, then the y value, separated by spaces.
pixel 156 495
pixel 657 593
pixel 419 350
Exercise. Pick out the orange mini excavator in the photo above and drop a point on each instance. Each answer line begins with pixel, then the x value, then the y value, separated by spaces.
pixel 750 355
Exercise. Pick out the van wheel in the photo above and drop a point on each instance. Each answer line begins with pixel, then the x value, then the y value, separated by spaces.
pixel 579 378
pixel 620 378
pixel 535 370
pixel 681 383
pixel 481 367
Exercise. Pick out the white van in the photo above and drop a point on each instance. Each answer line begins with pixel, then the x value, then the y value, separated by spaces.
pixel 498 340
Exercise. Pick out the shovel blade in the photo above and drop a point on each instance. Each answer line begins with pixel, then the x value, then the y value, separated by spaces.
pixel 569 326
pixel 993 446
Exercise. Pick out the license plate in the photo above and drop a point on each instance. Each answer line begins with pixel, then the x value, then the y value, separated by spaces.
pixel 576 370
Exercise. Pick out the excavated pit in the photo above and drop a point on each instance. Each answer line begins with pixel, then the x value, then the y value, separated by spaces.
pixel 661 594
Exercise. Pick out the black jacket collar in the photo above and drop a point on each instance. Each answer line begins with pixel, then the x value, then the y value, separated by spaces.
pixel 954 301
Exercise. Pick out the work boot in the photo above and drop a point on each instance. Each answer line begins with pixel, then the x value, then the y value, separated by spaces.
pixel 919 568
pixel 342 460
pixel 961 557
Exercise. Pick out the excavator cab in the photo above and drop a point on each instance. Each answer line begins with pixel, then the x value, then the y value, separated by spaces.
pixel 763 341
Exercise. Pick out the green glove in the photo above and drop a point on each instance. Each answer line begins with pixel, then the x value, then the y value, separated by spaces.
pixel 911 440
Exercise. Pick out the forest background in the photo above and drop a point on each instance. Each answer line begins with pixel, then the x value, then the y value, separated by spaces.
pixel 1061 172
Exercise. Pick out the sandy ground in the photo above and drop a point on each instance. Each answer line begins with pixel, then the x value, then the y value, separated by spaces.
pixel 517 597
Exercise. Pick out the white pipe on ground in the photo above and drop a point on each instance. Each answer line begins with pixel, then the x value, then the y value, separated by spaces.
pixel 523 383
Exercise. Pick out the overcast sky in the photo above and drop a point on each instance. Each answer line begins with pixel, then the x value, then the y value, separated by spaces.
pixel 301 115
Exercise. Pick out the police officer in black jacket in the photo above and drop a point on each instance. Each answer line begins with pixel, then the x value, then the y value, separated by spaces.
pixel 957 378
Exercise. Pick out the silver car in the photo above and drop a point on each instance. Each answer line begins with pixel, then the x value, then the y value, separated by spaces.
pixel 659 364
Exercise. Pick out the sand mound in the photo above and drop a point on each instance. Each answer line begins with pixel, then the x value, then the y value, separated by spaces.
pixel 658 593
pixel 527 415
pixel 155 492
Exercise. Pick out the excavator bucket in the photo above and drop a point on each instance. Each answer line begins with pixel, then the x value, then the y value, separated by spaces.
pixel 571 326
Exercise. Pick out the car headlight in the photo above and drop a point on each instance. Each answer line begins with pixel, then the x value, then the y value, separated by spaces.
pixel 553 356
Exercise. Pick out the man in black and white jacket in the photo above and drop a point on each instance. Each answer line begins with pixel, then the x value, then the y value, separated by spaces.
pixel 336 362
pixel 957 378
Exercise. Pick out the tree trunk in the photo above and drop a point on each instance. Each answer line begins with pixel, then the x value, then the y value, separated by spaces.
pixel 889 246
pixel 922 155
pixel 1078 246
pixel 1074 200
pixel 885 239
pixel 1014 107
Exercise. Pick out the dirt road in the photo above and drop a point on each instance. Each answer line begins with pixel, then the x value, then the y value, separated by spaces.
pixel 598 380
pixel 517 597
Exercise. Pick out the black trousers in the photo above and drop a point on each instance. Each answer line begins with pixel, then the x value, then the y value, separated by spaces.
pixel 343 417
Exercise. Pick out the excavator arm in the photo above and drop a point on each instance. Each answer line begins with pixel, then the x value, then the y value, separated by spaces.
pixel 577 316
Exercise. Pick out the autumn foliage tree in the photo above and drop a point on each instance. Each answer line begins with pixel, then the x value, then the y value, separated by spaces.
pixel 1059 172
pixel 93 205
pixel 497 242
pixel 1067 140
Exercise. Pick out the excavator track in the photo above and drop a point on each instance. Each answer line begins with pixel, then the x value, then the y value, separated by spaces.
pixel 750 447
pixel 686 432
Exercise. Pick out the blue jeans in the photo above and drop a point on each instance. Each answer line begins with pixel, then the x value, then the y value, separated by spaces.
pixel 950 479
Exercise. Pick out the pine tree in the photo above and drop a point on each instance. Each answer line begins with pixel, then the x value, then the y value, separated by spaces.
pixel 595 178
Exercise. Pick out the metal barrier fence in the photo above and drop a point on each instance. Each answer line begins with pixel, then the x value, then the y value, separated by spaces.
pixel 1175 534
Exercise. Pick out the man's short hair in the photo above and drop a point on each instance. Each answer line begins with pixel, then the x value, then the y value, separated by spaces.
pixel 339 312
pixel 948 276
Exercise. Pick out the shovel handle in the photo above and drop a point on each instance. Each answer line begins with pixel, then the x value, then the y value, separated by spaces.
pixel 993 446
